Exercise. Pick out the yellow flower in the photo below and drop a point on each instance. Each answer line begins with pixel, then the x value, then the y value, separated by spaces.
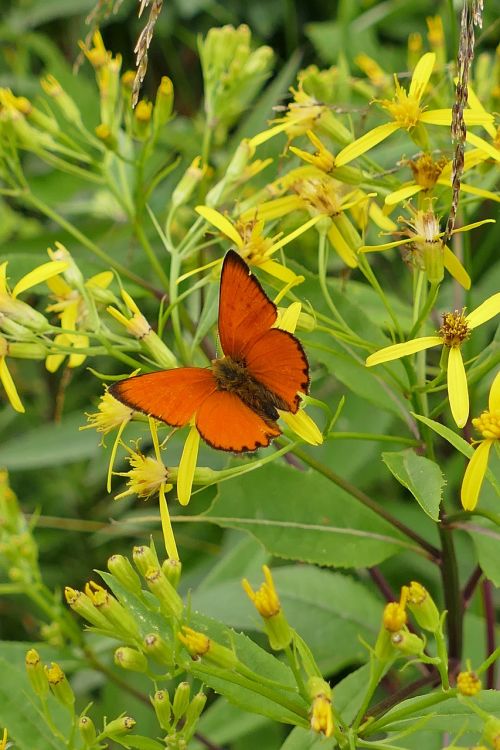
pixel 251 243
pixel 407 112
pixel 321 713
pixel 454 331
pixel 372 70
pixel 423 235
pixel 145 476
pixel 488 425
pixel 468 683
pixel 19 311
pixel 266 598
pixel 394 617
pixel 323 197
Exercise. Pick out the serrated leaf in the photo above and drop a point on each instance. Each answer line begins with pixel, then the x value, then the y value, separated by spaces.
pixel 421 476
pixel 329 527
pixel 486 540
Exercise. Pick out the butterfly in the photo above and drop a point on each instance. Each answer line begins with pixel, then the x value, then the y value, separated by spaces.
pixel 235 402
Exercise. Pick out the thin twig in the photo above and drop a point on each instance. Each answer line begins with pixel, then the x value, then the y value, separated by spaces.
pixel 489 612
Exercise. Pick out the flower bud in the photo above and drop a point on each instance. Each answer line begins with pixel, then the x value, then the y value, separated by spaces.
pixel 161 705
pixel 394 617
pixel 121 567
pixel 408 643
pixel 188 182
pixel 61 689
pixel 66 104
pixel 321 716
pixel 131 659
pixel 10 515
pixel 172 569
pixel 192 715
pixel 168 597
pixel 468 683
pixel 82 605
pixel 36 674
pixel 118 728
pixel 268 605
pixel 104 133
pixel 144 558
pixel 434 261
pixel 164 103
pixel 142 119
pixel 115 614
pixel 181 700
pixel 200 645
pixel 422 606
pixel 87 730
pixel 157 647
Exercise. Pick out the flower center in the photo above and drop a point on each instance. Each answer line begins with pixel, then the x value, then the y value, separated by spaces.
pixel 488 424
pixel 405 109
pixel 320 195
pixel 426 171
pixel 454 329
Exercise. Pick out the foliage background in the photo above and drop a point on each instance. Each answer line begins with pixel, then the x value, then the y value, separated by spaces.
pixel 60 472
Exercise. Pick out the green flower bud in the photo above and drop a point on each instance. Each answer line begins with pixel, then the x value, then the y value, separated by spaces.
pixel 161 705
pixel 117 728
pixel 181 700
pixel 36 674
pixel 82 605
pixel 121 567
pixel 145 558
pixel 130 658
pixel 10 515
pixel 163 590
pixel 492 732
pixel 116 615
pixel 61 689
pixel 408 643
pixel 164 103
pixel 106 136
pixel 159 350
pixel 422 606
pixel 87 730
pixel 172 569
pixel 188 182
pixel 384 650
pixel 192 715
pixel 434 261
pixel 159 649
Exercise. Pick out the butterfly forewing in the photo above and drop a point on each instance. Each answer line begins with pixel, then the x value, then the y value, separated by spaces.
pixel 277 360
pixel 226 423
pixel 245 311
pixel 172 396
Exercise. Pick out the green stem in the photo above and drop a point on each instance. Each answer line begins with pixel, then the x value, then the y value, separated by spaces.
pixel 367 272
pixel 292 661
pixel 451 590
pixel 373 436
pixel 432 552
pixel 153 260
pixel 417 704
pixel 37 203
pixel 377 670
pixel 426 308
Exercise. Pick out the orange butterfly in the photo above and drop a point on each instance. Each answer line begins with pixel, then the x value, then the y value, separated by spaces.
pixel 235 402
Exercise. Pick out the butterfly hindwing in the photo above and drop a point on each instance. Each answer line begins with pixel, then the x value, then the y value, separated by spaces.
pixel 277 360
pixel 226 423
pixel 245 311
pixel 172 396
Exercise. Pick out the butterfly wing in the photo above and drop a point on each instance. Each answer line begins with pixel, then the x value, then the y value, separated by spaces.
pixel 277 360
pixel 245 311
pixel 226 423
pixel 172 396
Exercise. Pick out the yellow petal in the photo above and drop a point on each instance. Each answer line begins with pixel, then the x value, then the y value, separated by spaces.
pixel 265 135
pixel 421 75
pixel 380 219
pixel 402 194
pixel 483 145
pixel 274 209
pixel 467 227
pixel 288 319
pixel 59 286
pixel 10 388
pixel 3 277
pixel 455 268
pixel 365 143
pixel 402 350
pixel 474 103
pixel 436 117
pixel 42 273
pixel 69 316
pixel 342 247
pixel 303 426
pixel 296 233
pixel 494 398
pixel 101 280
pixel 386 245
pixel 472 190
pixel 487 310
pixel 281 272
pixel 473 117
pixel 474 475
pixel 199 270
pixel 166 524
pixel 458 393
pixel 187 465
pixel 221 223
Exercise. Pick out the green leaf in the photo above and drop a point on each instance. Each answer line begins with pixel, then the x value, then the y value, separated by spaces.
pixel 140 743
pixel 223 724
pixel 304 739
pixel 486 539
pixel 421 476
pixel 348 694
pixel 329 527
pixel 50 445
pixel 322 606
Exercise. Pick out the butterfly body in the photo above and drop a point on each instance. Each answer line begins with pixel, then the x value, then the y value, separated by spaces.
pixel 235 403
